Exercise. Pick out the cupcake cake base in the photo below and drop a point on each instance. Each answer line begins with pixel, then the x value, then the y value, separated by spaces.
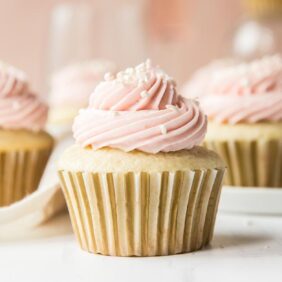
pixel 138 204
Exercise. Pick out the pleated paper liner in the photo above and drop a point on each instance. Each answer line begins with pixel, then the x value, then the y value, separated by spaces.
pixel 250 163
pixel 20 173
pixel 143 214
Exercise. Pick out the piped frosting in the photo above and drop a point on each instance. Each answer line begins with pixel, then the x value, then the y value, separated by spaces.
pixel 20 108
pixel 249 92
pixel 139 108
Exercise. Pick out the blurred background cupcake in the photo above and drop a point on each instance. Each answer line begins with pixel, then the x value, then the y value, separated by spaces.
pixel 136 183
pixel 244 105
pixel 71 88
pixel 24 146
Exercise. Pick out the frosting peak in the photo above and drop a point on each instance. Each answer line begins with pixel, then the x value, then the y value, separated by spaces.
pixel 141 88
pixel 19 107
pixel 140 109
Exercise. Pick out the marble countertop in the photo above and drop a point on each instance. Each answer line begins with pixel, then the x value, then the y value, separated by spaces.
pixel 245 248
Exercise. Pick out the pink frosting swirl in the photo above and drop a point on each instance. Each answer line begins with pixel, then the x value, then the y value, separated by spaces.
pixel 13 82
pixel 19 108
pixel 140 109
pixel 246 93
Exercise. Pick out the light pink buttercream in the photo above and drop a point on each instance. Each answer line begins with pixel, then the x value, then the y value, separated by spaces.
pixel 19 108
pixel 246 93
pixel 140 109
pixel 13 82
pixel 73 85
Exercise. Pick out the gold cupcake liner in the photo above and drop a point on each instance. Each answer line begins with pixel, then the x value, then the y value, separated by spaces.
pixel 250 163
pixel 20 173
pixel 142 214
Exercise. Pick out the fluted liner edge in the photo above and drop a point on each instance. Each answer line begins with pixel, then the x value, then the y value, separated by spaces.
pixel 142 214
pixel 20 173
pixel 256 163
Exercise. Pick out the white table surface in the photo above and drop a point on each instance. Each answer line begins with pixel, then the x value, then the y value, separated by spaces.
pixel 245 248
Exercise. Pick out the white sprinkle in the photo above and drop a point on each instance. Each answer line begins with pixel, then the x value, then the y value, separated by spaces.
pixel 163 129
pixel 109 76
pixel 119 75
pixel 172 107
pixel 146 79
pixel 16 105
pixel 144 94
pixel 130 70
pixel 126 79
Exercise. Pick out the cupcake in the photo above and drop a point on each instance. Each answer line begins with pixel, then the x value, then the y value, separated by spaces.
pixel 24 147
pixel 136 182
pixel 71 88
pixel 244 106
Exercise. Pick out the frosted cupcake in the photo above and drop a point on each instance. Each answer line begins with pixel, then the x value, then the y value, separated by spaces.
pixel 136 183
pixel 244 105
pixel 24 147
pixel 71 88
